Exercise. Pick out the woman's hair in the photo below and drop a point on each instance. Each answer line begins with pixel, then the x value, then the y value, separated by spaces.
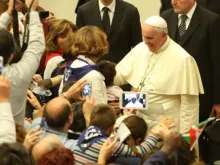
pixel 103 116
pixel 59 28
pixel 138 129
pixel 58 156
pixel 20 132
pixel 107 69
pixel 90 41
pixel 67 48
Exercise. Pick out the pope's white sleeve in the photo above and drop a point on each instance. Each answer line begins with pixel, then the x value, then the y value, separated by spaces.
pixel 189 112
pixel 118 79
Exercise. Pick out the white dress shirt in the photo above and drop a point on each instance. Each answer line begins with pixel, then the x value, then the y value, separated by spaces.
pixel 189 15
pixel 111 9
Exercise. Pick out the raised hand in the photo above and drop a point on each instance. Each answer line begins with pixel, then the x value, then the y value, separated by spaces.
pixel 87 108
pixel 171 142
pixel 32 138
pixel 160 130
pixel 168 122
pixel 107 150
pixel 75 91
pixel 5 87
pixel 31 98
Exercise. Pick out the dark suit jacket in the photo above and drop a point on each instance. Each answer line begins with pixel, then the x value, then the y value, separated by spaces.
pixel 165 5
pixel 202 41
pixel 125 31
pixel 212 5
pixel 79 3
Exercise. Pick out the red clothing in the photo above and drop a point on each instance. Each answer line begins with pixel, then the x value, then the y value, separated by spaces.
pixel 50 55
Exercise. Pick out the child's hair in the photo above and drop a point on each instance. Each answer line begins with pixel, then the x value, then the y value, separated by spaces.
pixel 138 128
pixel 103 116
pixel 107 69
pixel 60 27
pixel 183 155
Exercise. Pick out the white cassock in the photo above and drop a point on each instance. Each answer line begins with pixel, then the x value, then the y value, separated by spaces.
pixel 171 78
pixel 137 104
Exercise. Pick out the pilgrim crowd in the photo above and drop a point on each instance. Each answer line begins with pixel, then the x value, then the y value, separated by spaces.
pixel 109 89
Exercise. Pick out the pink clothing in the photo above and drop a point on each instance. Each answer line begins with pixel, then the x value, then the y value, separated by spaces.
pixel 113 93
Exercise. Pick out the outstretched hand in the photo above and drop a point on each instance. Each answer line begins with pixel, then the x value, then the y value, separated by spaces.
pixel 10 7
pixel 168 122
pixel 75 91
pixel 107 150
pixel 87 109
pixel 160 131
pixel 32 138
pixel 216 110
pixel 5 87
pixel 171 142
pixel 32 99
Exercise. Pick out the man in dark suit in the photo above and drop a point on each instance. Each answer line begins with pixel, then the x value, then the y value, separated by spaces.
pixel 123 29
pixel 196 29
pixel 165 4
pixel 80 3
pixel 212 5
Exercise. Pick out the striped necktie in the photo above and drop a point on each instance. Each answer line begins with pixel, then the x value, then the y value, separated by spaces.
pixel 182 27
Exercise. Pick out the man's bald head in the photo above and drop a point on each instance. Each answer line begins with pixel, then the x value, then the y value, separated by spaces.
pixel 45 145
pixel 57 113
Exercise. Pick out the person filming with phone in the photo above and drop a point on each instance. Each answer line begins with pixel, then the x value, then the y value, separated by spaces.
pixel 164 70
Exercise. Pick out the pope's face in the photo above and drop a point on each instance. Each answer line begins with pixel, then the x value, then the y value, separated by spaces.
pixel 152 38
pixel 182 6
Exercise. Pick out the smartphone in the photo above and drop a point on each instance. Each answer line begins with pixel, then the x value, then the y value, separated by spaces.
pixel 135 100
pixel 87 90
pixel 1 64
pixel 44 14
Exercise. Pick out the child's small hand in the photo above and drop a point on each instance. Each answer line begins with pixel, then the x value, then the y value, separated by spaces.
pixel 160 131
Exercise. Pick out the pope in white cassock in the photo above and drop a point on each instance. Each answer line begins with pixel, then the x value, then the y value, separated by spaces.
pixel 169 75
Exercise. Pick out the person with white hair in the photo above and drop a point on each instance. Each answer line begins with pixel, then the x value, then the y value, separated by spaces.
pixel 169 75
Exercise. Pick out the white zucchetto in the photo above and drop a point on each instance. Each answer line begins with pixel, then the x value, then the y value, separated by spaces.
pixel 156 21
